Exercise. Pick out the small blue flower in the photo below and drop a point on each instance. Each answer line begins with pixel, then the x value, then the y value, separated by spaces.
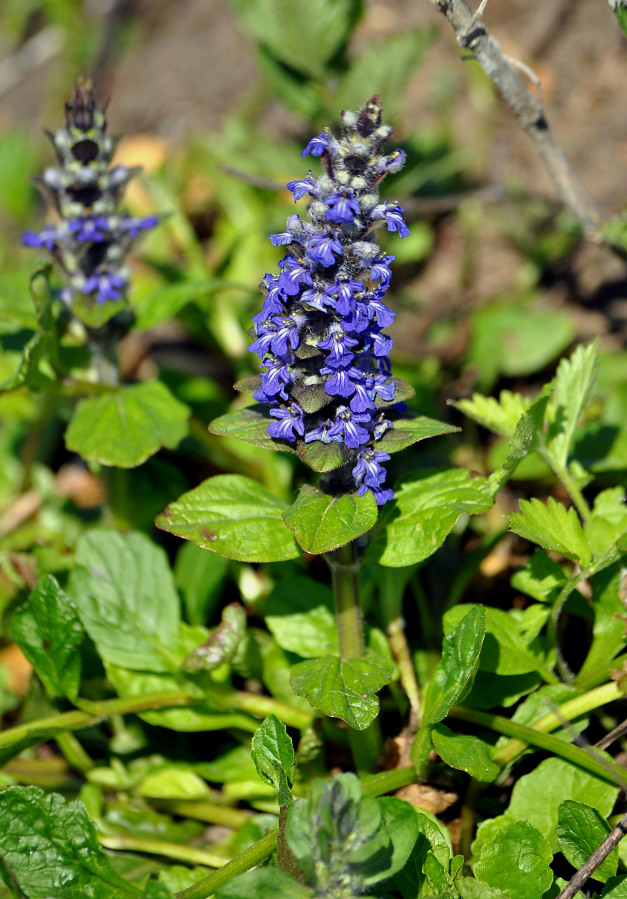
pixel 108 286
pixel 90 228
pixel 300 188
pixel 322 247
pixel 342 208
pixel 278 240
pixel 46 239
pixel 347 425
pixel 323 433
pixel 317 145
pixel 290 420
pixel 369 472
pixel 338 343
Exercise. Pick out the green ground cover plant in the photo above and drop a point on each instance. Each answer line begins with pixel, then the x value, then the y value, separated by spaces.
pixel 320 634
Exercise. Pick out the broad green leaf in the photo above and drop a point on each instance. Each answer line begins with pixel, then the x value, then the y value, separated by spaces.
pixel 51 846
pixel 500 416
pixel 199 577
pixel 465 752
pixel 469 888
pixel 427 505
pixel 608 633
pixel 580 831
pixel 453 677
pixel 438 877
pixel 221 644
pixel 165 302
pixel 541 578
pixel 324 456
pixel 273 754
pixel 123 428
pixel 298 615
pixel 554 527
pixel 170 782
pixel 234 516
pixel 517 861
pixel 267 882
pixel 573 385
pixel 401 823
pixel 616 887
pixel 94 314
pixel 280 26
pixel 49 632
pixel 34 369
pixel 251 426
pixel 407 431
pixel 123 590
pixel 156 890
pixel 513 339
pixel 505 650
pixel 607 527
pixel 343 688
pixel 322 523
pixel 555 781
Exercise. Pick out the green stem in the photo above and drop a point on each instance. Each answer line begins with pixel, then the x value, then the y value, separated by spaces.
pixel 568 711
pixel 284 855
pixel 74 752
pixel 243 862
pixel 208 812
pixel 573 490
pixel 92 712
pixel 601 767
pixel 176 851
pixel 387 781
pixel 345 566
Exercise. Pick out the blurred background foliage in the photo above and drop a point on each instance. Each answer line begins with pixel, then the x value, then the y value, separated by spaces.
pixel 216 101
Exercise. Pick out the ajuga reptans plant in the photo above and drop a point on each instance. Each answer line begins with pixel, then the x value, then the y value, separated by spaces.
pixel 91 237
pixel 320 335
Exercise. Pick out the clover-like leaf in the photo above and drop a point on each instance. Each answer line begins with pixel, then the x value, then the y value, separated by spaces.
pixel 343 688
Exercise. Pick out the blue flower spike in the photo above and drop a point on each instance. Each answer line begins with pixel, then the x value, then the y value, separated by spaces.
pixel 321 325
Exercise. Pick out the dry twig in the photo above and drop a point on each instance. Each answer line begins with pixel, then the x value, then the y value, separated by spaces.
pixel 473 35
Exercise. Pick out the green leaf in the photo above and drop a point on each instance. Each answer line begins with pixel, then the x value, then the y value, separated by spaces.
pixel 554 527
pixel 343 688
pixel 123 590
pixel 428 503
pixel 616 887
pixel 555 781
pixel 407 431
pixel 123 428
pixel 157 890
pixel 299 617
pixel 573 385
pixel 268 882
pixel 324 456
pixel 199 577
pixel 452 679
pixel 541 578
pixel 273 754
pixel 465 752
pixel 608 633
pixel 517 861
pixel 322 523
pixel 500 416
pixel 580 831
pixel 234 516
pixel 94 314
pixel 162 304
pixel 513 339
pixel 49 632
pixel 280 25
pixel 251 426
pixel 51 845
pixel 475 889
pixel 401 822
pixel 169 782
